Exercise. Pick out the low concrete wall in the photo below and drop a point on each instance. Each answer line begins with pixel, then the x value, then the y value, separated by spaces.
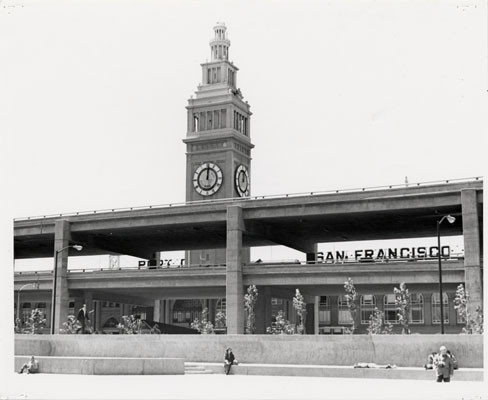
pixel 401 350
pixel 106 366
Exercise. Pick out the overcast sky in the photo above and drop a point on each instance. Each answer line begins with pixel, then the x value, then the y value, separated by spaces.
pixel 344 94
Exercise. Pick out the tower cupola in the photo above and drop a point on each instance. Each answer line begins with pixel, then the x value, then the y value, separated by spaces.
pixel 219 45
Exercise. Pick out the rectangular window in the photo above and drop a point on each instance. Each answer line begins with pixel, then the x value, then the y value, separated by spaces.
pixel 223 118
pixel 436 308
pixel 368 303
pixel 416 308
pixel 390 309
pixel 324 311
pixel 209 120
pixel 209 75
pixel 216 119
pixel 344 313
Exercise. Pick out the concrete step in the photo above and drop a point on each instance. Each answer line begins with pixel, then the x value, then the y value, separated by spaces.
pixel 106 365
pixel 195 372
pixel 192 368
pixel 340 371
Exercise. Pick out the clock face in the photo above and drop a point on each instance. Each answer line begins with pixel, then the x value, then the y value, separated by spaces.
pixel 242 181
pixel 207 179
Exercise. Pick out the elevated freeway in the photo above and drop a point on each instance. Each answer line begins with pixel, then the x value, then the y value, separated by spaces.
pixel 297 221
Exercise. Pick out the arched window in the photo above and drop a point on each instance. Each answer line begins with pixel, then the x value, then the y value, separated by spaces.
pixel 390 309
pixel 367 305
pixel 344 313
pixel 416 308
pixel 436 308
pixel 324 310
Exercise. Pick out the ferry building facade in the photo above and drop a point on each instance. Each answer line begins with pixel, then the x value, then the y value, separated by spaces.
pixel 219 223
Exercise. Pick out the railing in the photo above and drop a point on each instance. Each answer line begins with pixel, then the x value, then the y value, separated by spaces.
pixel 238 199
pixel 452 258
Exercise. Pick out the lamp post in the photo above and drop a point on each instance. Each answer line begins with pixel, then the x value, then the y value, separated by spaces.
pixel 35 285
pixel 55 278
pixel 451 220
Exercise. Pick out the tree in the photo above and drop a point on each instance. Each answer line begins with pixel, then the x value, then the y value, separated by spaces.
pixel 36 322
pixel 203 325
pixel 130 325
pixel 250 299
pixel 281 327
pixel 220 320
pixel 301 309
pixel 351 302
pixel 402 302
pixel 474 325
pixel 376 325
pixel 71 326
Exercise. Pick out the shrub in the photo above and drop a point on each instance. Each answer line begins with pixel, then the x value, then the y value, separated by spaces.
pixel 281 326
pixel 71 326
pixel 474 324
pixel 376 325
pixel 203 325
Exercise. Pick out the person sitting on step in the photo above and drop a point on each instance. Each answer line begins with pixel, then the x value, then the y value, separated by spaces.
pixel 32 366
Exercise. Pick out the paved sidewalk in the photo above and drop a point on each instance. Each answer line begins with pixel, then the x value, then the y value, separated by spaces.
pixel 216 387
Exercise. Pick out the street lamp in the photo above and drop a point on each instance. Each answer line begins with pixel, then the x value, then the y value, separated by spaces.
pixel 55 277
pixel 451 220
pixel 35 285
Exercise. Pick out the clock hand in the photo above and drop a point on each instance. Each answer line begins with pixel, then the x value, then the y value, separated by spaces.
pixel 208 170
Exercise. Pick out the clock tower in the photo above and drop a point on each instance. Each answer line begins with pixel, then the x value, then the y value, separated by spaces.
pixel 218 144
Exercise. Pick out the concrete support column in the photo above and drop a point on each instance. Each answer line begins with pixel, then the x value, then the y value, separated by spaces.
pixel 167 312
pixel 157 310
pixel 472 248
pixel 60 295
pixel 312 257
pixel 98 316
pixel 334 310
pixel 316 314
pixel 90 306
pixel 155 260
pixel 211 310
pixel 234 288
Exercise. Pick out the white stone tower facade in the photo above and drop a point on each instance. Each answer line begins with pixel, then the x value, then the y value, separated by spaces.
pixel 218 140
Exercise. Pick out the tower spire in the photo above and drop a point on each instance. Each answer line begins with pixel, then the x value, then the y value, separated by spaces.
pixel 219 45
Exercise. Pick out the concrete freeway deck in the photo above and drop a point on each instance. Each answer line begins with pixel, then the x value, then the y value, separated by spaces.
pixel 294 221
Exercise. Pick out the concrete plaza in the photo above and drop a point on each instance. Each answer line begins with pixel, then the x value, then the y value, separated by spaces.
pixel 56 386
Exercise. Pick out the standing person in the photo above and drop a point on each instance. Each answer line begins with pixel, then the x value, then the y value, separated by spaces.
pixel 229 360
pixel 443 365
pixel 82 318
pixel 32 366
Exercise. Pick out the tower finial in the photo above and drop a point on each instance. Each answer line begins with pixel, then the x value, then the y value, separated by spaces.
pixel 219 45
